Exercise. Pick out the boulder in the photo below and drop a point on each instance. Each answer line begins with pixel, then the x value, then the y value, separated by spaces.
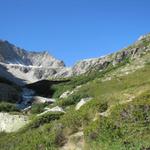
pixel 65 94
pixel 12 123
pixel 68 93
pixel 40 99
pixel 82 102
pixel 54 109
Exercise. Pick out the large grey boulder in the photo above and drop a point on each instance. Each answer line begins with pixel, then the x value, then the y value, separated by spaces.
pixel 12 123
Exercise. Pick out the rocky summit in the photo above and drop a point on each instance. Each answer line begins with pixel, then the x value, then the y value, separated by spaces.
pixel 27 66
pixel 11 54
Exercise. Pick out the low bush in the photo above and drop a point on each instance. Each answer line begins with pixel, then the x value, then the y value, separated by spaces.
pixel 8 107
pixel 119 129
pixel 37 108
pixel 76 119
pixel 43 119
pixel 73 99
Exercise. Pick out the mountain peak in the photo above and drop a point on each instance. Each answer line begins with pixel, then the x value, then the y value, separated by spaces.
pixel 28 66
pixel 9 53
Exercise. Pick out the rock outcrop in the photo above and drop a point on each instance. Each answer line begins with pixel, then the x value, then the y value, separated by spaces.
pixel 140 47
pixel 82 102
pixel 12 123
pixel 54 109
pixel 42 100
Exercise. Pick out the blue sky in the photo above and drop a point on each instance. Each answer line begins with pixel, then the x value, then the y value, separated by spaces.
pixel 74 29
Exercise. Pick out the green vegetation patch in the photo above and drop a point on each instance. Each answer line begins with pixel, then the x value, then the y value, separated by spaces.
pixel 8 107
pixel 127 127
pixel 45 118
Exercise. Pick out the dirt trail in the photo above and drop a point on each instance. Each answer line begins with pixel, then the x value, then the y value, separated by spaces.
pixel 75 142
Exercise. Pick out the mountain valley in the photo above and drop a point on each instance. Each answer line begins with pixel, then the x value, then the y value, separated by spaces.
pixel 98 104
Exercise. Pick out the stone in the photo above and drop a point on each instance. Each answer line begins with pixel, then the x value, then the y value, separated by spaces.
pixel 68 93
pixel 40 99
pixel 54 109
pixel 65 94
pixel 12 123
pixel 82 102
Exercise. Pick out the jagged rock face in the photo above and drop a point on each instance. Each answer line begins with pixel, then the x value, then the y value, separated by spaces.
pixel 14 55
pixel 140 47
pixel 90 64
pixel 33 66
pixel 28 67
pixel 44 60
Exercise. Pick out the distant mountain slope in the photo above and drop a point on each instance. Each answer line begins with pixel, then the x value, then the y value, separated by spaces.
pixel 140 47
pixel 28 66
pixel 13 55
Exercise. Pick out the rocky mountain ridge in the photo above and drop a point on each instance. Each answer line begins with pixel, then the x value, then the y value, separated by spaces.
pixel 140 47
pixel 11 54
pixel 33 66
pixel 28 67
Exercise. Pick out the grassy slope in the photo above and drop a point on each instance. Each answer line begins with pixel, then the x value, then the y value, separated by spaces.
pixel 125 121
